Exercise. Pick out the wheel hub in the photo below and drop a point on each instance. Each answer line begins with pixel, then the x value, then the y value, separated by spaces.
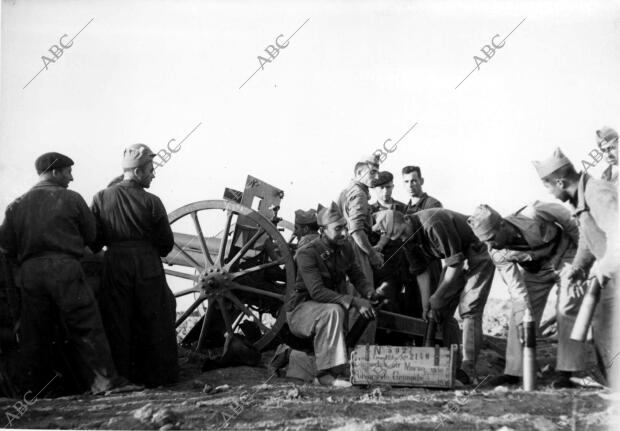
pixel 215 278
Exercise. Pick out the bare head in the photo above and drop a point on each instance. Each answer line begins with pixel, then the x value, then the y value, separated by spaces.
pixel 413 180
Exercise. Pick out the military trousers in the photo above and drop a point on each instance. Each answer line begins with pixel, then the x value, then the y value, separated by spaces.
pixel 138 311
pixel 571 354
pixel 54 292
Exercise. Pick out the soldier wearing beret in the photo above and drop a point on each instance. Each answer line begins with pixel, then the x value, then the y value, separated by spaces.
pixel 353 202
pixel 137 305
pixel 596 210
pixel 320 305
pixel 607 140
pixel 46 231
pixel 306 226
pixel 528 247
pixel 390 275
pixel 434 234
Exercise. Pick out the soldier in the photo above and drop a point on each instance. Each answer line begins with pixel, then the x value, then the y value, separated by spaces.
pixel 306 227
pixel 353 202
pixel 390 275
pixel 465 281
pixel 607 140
pixel 320 304
pixel 416 298
pixel 46 230
pixel 412 177
pixel 596 209
pixel 137 305
pixel 528 247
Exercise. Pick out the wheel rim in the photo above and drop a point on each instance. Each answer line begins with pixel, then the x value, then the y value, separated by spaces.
pixel 241 276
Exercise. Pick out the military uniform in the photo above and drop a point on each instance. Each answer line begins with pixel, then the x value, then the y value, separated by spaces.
pixel 445 234
pixel 137 305
pixel 424 203
pixel 597 214
pixel 610 174
pixel 319 305
pixel 307 239
pixel 353 202
pixel 529 271
pixel 394 270
pixel 47 229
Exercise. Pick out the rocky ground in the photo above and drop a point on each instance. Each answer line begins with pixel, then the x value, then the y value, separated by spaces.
pixel 251 398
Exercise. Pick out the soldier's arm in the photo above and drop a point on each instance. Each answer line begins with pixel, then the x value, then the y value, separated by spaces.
pixel 97 244
pixel 8 237
pixel 604 209
pixel 584 259
pixel 558 214
pixel 163 236
pixel 513 278
pixel 364 286
pixel 358 217
pixel 308 267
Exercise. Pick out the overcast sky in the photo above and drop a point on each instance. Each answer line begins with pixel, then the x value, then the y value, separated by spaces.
pixel 355 74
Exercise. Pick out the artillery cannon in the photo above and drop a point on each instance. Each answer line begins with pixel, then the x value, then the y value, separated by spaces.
pixel 239 277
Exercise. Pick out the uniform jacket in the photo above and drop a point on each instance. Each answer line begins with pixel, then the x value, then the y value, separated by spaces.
pixel 126 212
pixel 597 216
pixel 551 234
pixel 610 174
pixel 353 202
pixel 47 219
pixel 425 202
pixel 322 272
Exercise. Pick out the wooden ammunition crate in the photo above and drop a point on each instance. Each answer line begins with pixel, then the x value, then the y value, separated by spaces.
pixel 429 367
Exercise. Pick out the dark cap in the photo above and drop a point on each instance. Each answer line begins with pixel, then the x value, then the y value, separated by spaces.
pixel 49 161
pixel 382 179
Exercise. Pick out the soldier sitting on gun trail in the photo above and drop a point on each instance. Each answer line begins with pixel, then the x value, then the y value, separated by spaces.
pixel 306 226
pixel 596 209
pixel 465 281
pixel 137 306
pixel 320 305
pixel 528 247
pixel 46 230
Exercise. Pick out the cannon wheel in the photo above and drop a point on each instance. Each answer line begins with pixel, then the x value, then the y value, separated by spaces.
pixel 227 279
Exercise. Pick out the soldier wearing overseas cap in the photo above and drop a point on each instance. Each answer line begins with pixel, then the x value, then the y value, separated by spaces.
pixel 306 226
pixel 46 231
pixel 438 233
pixel 320 304
pixel 137 305
pixel 596 209
pixel 389 276
pixel 607 140
pixel 528 247
pixel 353 202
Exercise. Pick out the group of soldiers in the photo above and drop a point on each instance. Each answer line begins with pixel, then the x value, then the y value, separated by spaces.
pixel 418 258
pixel 424 260
pixel 123 338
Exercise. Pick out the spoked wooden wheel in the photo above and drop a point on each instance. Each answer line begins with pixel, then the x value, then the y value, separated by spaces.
pixel 234 261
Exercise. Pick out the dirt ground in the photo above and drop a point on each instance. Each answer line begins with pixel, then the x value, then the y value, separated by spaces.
pixel 249 398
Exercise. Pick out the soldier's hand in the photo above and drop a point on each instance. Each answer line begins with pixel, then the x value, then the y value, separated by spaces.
pixel 571 274
pixel 376 259
pixel 365 309
pixel 577 289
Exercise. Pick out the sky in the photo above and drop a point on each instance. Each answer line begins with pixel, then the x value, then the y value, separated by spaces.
pixel 354 75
